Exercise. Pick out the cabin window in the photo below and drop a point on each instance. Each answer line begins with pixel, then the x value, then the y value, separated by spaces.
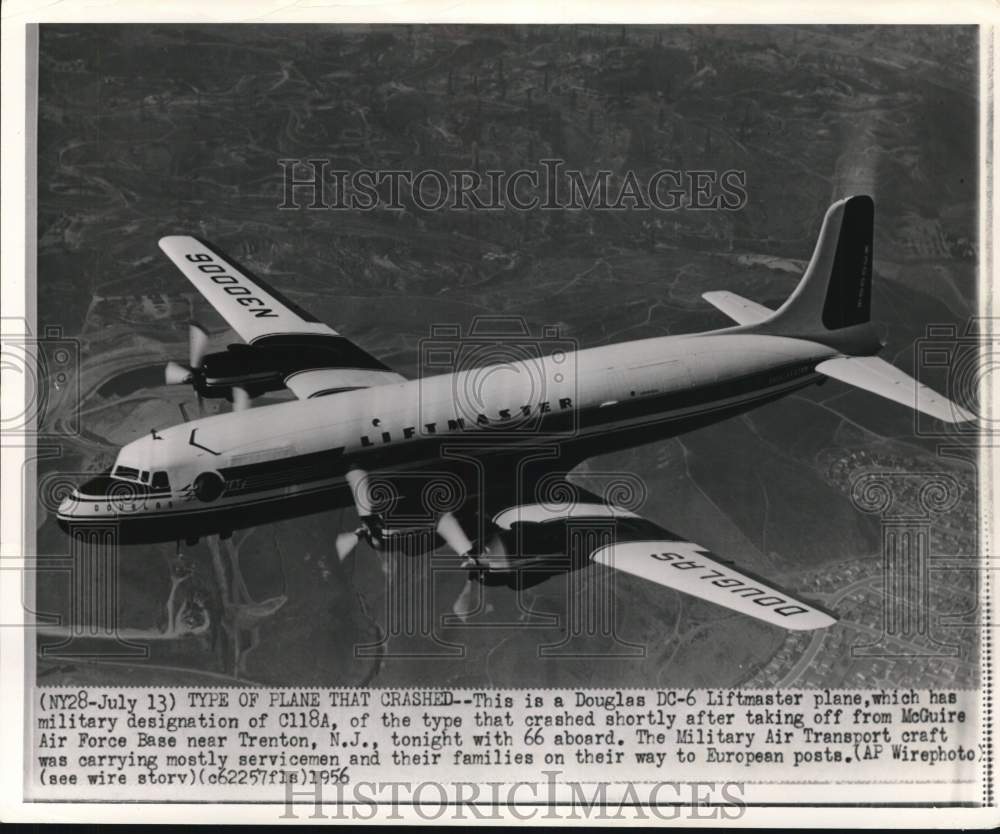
pixel 160 480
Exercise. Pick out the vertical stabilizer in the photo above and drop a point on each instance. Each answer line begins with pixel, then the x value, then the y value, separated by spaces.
pixel 832 306
pixel 835 291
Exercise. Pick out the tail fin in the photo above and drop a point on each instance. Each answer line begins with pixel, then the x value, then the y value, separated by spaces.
pixel 832 306
pixel 836 290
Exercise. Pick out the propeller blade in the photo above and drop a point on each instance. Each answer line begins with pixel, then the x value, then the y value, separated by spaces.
pixel 358 480
pixel 468 599
pixel 345 544
pixel 197 344
pixel 241 399
pixel 201 404
pixel 176 374
pixel 451 531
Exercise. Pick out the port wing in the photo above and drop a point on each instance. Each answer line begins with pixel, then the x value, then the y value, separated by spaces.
pixel 691 569
pixel 592 529
pixel 262 317
pixel 528 522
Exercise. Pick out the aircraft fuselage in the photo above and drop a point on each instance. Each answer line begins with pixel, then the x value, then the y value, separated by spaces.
pixel 239 469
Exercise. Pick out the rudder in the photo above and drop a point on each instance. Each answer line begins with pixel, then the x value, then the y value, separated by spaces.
pixel 849 292
pixel 835 291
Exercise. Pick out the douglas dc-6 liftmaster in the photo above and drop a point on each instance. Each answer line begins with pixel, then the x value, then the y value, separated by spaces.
pixel 414 455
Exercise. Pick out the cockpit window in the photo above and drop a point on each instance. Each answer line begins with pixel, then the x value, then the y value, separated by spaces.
pixel 160 480
pixel 126 472
pixel 144 476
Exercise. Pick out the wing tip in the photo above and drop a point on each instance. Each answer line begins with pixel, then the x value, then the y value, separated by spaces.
pixel 816 621
pixel 941 408
pixel 165 241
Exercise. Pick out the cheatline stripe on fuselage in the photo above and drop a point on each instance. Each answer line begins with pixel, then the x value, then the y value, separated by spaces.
pixel 337 480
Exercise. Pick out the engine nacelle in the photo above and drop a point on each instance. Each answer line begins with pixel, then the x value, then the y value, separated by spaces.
pixel 263 366
pixel 208 486
pixel 239 366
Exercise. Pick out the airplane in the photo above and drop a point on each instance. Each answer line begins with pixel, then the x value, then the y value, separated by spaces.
pixel 422 465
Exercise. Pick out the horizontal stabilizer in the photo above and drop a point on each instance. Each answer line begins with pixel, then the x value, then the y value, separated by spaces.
pixel 879 377
pixel 739 309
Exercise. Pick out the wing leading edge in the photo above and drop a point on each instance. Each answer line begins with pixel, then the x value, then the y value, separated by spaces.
pixel 330 362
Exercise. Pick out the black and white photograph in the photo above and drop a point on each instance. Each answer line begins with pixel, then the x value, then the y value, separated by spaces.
pixel 444 358
pixel 297 262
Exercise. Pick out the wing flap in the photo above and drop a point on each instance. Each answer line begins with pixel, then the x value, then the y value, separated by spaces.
pixel 739 309
pixel 688 568
pixel 879 377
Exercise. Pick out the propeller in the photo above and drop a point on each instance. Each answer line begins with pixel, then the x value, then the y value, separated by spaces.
pixel 197 343
pixel 345 543
pixel 241 399
pixel 178 374
pixel 468 600
pixel 448 528
pixel 454 536
pixel 357 479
